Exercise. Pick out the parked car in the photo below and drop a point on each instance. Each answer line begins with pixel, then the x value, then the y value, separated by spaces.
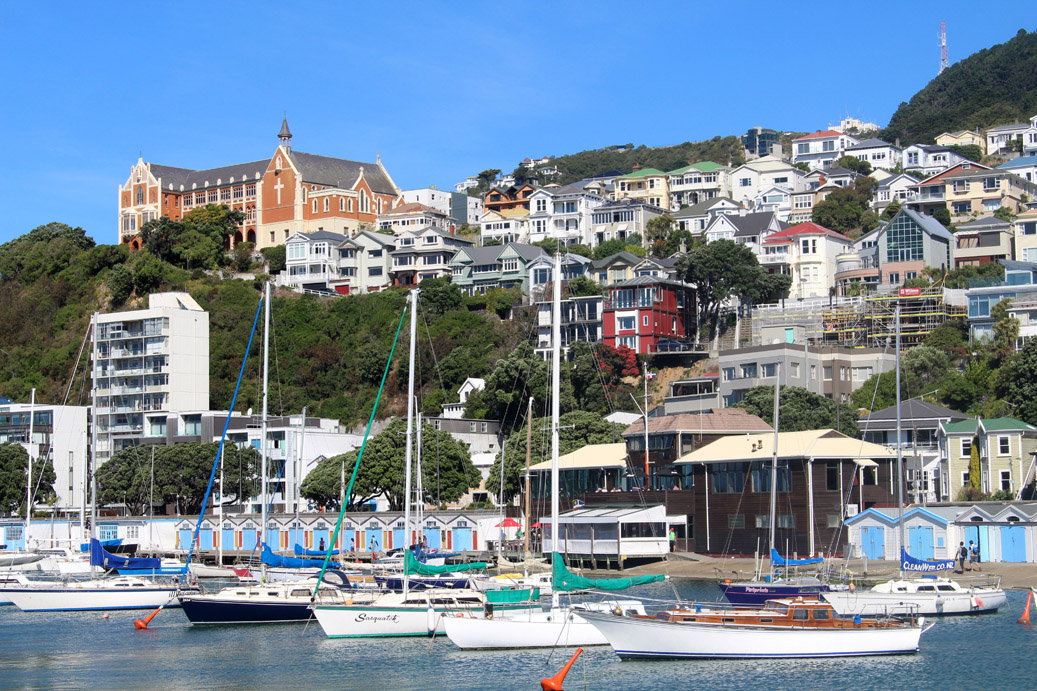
pixel 671 345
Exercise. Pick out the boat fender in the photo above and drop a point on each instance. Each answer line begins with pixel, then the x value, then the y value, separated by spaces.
pixel 618 611
pixel 857 619
pixel 727 581
pixel 349 602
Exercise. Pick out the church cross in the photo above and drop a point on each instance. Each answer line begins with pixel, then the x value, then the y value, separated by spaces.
pixel 279 186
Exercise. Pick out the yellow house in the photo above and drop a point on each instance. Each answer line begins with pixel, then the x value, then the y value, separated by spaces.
pixel 647 184
pixel 961 138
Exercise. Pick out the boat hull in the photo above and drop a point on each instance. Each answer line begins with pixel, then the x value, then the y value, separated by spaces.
pixel 870 603
pixel 541 629
pixel 422 582
pixel 757 594
pixel 85 599
pixel 369 621
pixel 209 571
pixel 636 638
pixel 202 610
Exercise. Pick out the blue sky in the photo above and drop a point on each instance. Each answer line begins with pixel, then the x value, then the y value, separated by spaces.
pixel 441 90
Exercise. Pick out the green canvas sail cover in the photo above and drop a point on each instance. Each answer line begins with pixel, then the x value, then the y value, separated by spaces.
pixel 564 579
pixel 416 567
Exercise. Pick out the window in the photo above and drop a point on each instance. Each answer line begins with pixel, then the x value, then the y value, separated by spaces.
pixel 828 146
pixel 341 203
pixel 965 479
pixel 966 446
pixel 250 190
pixel 745 182
pixel 728 478
pixel 374 271
pixel 749 371
pixel 795 369
pixel 803 148
pixel 225 194
pixel 813 371
pixel 962 207
pixel 770 369
pixel 541 205
pixel 1004 446
pixel 828 372
pixel 192 425
pixel 735 521
pixel 625 323
pixel 729 373
pixel 1006 480
pixel 212 196
pixel 832 477
pixel 314 206
pixel 786 521
pixel 644 320
pixel 327 202
pixel 808 246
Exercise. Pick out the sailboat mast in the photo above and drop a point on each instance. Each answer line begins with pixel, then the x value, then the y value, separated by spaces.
pixel 298 477
pixel 529 440
pixel 410 430
pixel 262 441
pixel 92 462
pixel 774 460
pixel 556 360
pixel 419 490
pixel 900 453
pixel 28 478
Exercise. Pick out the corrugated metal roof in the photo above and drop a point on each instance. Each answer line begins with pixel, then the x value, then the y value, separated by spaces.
pixel 824 443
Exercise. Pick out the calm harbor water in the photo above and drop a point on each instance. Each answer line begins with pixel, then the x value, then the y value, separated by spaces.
pixel 82 650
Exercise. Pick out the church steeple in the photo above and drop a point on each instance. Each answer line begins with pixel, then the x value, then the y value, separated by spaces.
pixel 284 137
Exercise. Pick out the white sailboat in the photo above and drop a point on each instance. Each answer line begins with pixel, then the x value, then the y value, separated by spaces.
pixel 375 614
pixel 559 625
pixel 918 595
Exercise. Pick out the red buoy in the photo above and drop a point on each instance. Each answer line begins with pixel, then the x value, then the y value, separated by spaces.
pixel 143 624
pixel 1025 619
pixel 555 682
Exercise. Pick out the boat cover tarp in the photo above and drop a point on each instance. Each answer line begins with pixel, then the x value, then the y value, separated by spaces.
pixel 85 547
pixel 301 551
pixel 564 579
pixel 909 563
pixel 102 558
pixel 416 567
pixel 279 562
pixel 778 560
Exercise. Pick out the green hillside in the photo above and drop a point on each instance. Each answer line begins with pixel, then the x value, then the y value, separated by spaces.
pixel 573 167
pixel 995 86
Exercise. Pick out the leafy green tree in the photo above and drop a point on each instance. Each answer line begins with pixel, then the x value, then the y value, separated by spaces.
pixel 243 256
pixel 582 286
pixel 844 209
pixel 160 236
pixel 943 216
pixel 275 258
pixel 513 380
pixel 46 250
pixel 968 391
pixel 148 273
pixel 181 475
pixel 673 243
pixel 658 229
pixel 576 429
pixel 973 152
pixel 120 284
pixel 892 210
pixel 197 240
pixel 14 461
pixel 447 471
pixel 1016 382
pixel 1006 332
pixel 951 337
pixel 608 248
pixel 922 370
pixel 721 269
pixel 439 295
pixel 855 164
pixel 800 410
pixel 1005 214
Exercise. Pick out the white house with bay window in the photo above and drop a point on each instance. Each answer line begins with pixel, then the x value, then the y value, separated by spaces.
pixel 562 213
pixel 821 149
pixel 310 260
pixel 808 253
pixel 325 261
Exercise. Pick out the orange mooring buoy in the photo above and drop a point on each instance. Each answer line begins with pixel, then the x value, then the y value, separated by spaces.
pixel 555 682
pixel 143 624
pixel 1025 619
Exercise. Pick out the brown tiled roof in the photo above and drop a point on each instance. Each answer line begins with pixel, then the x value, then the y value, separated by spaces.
pixel 720 420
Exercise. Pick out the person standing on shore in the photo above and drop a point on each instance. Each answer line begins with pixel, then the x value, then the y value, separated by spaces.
pixel 974 557
pixel 963 554
pixel 673 540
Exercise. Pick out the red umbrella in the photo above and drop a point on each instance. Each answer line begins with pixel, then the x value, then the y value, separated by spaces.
pixel 508 523
pixel 535 525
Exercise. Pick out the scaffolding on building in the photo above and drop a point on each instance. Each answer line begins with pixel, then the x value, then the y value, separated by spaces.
pixel 863 321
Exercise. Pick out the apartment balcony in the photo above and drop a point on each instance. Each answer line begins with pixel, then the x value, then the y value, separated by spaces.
pixel 776 258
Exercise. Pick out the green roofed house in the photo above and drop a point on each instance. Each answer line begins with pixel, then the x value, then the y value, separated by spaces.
pixel 697 183
pixel 1005 448
pixel 649 185
pixel 477 269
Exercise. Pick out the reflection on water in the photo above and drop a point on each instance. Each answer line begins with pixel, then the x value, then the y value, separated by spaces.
pixel 79 650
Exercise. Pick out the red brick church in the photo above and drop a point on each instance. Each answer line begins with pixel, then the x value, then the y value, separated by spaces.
pixel 291 192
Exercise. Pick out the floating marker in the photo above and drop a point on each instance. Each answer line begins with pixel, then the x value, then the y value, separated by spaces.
pixel 1025 619
pixel 555 683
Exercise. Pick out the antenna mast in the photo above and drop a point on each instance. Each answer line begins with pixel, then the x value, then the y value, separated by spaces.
pixel 943 47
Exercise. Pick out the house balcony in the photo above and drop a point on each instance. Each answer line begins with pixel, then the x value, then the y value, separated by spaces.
pixel 776 258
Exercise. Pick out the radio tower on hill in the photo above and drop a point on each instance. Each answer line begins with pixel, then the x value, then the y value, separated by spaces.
pixel 943 47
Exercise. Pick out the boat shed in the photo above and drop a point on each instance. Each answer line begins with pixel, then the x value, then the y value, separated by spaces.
pixel 1004 532
pixel 874 534
pixel 611 533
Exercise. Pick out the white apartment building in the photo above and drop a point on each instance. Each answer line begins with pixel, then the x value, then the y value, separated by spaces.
pixel 562 213
pixel 325 261
pixel 412 216
pixel 821 149
pixel 879 153
pixel 60 434
pixel 1000 138
pixel 749 180
pixel 495 226
pixel 929 159
pixel 146 364
pixel 422 254
pixel 461 207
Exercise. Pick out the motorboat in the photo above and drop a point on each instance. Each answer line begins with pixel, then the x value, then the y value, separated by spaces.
pixel 123 592
pixel 928 596
pixel 791 627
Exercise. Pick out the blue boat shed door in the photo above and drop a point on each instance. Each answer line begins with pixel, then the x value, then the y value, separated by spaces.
pixel 248 537
pixel 186 534
pixel 205 537
pixel 873 541
pixel 462 537
pixel 1013 543
pixel 920 542
pixel 434 537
